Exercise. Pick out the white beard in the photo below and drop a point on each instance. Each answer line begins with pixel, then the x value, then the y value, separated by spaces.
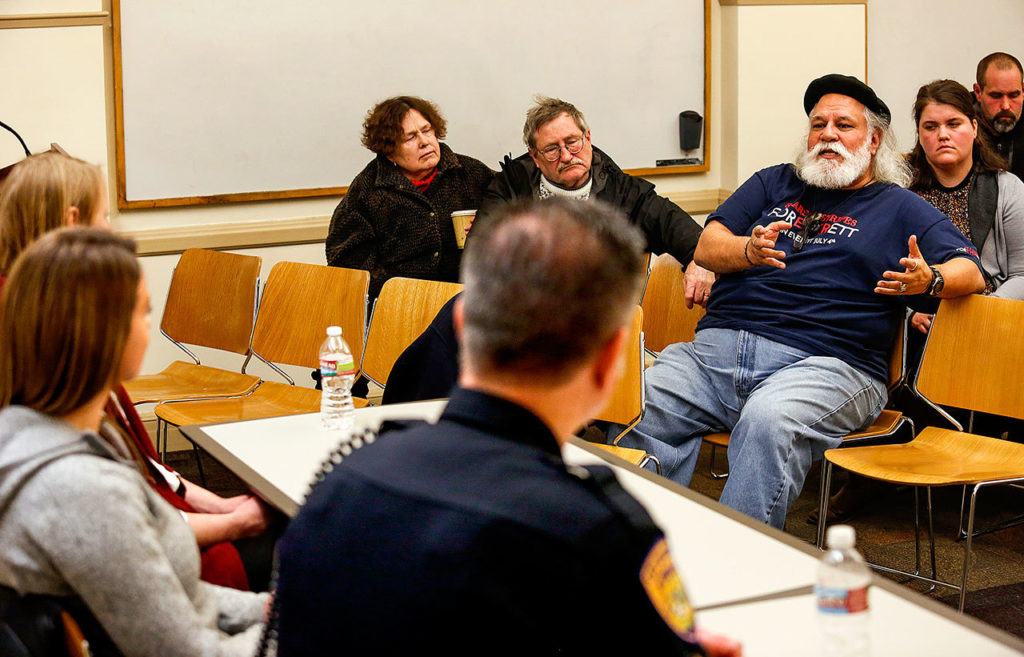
pixel 830 174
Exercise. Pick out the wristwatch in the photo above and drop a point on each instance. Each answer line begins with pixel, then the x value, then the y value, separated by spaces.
pixel 935 289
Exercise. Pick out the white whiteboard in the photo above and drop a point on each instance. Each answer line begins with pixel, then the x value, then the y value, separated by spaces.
pixel 225 97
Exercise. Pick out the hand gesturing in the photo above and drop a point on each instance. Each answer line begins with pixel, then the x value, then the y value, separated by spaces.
pixel 760 248
pixel 914 279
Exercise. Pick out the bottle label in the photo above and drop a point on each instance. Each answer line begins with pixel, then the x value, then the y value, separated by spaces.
pixel 841 601
pixel 336 368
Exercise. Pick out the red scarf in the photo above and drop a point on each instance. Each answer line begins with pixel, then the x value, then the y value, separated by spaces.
pixel 220 563
pixel 423 183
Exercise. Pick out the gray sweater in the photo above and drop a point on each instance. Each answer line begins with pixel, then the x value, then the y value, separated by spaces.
pixel 1002 254
pixel 76 520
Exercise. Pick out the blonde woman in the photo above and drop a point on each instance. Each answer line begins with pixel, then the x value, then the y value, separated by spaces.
pixel 77 521
pixel 43 193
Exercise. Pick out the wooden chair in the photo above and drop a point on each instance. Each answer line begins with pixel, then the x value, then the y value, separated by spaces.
pixel 666 317
pixel 211 303
pixel 626 406
pixel 404 309
pixel 973 360
pixel 299 302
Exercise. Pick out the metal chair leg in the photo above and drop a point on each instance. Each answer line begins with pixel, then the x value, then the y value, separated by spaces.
pixel 716 475
pixel 931 533
pixel 161 439
pixel 967 547
pixel 963 506
pixel 823 498
pixel 917 532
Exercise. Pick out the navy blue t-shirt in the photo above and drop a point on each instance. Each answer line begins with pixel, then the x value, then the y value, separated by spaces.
pixel 824 302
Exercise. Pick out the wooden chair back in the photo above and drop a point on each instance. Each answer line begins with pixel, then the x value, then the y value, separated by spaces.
pixel 974 357
pixel 666 317
pixel 627 402
pixel 212 300
pixel 404 309
pixel 299 302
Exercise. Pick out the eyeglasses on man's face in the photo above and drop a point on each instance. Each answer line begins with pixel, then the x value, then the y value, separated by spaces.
pixel 553 152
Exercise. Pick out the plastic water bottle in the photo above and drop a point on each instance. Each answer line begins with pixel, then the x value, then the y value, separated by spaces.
pixel 337 371
pixel 842 594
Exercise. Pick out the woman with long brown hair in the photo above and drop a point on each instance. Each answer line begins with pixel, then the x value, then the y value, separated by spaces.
pixel 51 190
pixel 957 171
pixel 77 521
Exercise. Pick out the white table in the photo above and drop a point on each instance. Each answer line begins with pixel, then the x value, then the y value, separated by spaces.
pixel 788 626
pixel 728 561
pixel 278 457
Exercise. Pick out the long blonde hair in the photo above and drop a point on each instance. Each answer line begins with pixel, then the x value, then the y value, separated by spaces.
pixel 36 197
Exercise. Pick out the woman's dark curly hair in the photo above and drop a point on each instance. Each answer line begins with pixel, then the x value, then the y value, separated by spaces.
pixel 382 128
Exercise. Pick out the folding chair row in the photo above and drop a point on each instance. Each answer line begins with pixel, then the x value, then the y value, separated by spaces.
pixel 972 360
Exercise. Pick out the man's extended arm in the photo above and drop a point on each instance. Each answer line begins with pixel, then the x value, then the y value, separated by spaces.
pixel 960 275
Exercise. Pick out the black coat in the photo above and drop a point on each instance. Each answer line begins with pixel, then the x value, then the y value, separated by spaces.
pixel 389 228
pixel 667 227
pixel 473 537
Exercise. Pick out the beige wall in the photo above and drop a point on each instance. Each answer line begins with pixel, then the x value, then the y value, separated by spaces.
pixel 53 90
pixel 912 42
pixel 777 52
pixel 58 76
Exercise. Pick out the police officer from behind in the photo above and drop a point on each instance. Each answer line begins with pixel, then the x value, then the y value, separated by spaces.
pixel 472 536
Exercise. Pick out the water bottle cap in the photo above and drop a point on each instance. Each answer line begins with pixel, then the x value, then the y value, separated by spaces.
pixel 333 331
pixel 840 537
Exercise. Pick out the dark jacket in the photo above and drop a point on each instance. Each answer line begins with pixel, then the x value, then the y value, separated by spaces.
pixel 1008 144
pixel 667 227
pixel 473 537
pixel 387 227
pixel 429 367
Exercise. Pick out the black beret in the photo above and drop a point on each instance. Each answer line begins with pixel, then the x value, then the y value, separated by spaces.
pixel 833 83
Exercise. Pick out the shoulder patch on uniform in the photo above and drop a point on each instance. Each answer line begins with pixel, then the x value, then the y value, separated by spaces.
pixel 665 589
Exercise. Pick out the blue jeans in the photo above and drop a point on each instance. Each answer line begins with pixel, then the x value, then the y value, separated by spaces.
pixel 783 406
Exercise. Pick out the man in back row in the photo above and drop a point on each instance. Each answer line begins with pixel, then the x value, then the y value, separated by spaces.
pixel 999 91
pixel 561 161
pixel 472 536
pixel 818 260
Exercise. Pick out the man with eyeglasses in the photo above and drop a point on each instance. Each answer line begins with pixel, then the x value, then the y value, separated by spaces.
pixel 818 260
pixel 562 161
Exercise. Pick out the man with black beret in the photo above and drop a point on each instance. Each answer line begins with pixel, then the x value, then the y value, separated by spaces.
pixel 817 261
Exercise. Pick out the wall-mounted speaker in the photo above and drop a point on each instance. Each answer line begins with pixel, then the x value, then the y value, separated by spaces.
pixel 690 129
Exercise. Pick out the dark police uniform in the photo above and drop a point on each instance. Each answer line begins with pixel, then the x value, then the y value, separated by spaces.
pixel 472 536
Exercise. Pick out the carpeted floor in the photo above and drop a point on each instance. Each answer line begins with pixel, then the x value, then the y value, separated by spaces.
pixel 884 535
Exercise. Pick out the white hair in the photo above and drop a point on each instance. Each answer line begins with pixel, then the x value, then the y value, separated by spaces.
pixel 888 165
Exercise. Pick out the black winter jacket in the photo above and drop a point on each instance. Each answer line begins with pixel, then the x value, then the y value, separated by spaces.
pixel 667 227
pixel 389 228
